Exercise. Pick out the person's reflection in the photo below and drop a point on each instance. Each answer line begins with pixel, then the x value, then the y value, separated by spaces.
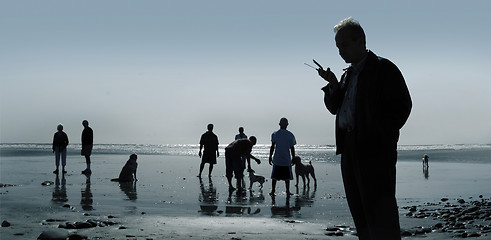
pixel 283 211
pixel 208 198
pixel 238 204
pixel 86 200
pixel 59 193
pixel 426 172
pixel 305 198
pixel 129 188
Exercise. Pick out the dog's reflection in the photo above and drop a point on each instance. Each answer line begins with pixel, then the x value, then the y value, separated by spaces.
pixel 208 198
pixel 305 198
pixel 129 188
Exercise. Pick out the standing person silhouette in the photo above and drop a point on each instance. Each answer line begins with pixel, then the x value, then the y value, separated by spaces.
pixel 371 104
pixel 283 146
pixel 241 134
pixel 210 142
pixel 244 159
pixel 60 142
pixel 425 161
pixel 87 143
pixel 233 162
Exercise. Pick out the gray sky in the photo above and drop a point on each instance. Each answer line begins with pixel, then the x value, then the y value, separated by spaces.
pixel 159 71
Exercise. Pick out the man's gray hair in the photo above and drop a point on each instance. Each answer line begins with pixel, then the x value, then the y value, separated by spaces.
pixel 353 25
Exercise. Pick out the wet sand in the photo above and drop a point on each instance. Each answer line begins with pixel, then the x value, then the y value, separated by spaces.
pixel 169 201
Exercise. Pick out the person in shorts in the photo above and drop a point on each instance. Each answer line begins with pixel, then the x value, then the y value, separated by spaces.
pixel 208 141
pixel 283 146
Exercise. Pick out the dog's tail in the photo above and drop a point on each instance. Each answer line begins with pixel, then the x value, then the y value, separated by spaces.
pixel 115 180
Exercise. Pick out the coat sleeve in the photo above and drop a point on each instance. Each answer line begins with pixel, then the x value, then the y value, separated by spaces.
pixel 333 99
pixel 396 97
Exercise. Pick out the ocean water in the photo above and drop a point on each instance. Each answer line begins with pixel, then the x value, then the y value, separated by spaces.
pixel 464 153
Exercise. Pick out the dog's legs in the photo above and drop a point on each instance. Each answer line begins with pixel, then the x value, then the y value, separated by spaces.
pixel 303 178
pixel 315 179
pixel 296 185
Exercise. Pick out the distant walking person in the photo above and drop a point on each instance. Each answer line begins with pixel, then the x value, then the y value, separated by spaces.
pixel 371 104
pixel 233 162
pixel 241 134
pixel 87 143
pixel 283 146
pixel 425 161
pixel 60 142
pixel 210 142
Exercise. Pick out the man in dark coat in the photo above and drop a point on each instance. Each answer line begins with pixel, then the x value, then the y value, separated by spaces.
pixel 371 104
pixel 210 142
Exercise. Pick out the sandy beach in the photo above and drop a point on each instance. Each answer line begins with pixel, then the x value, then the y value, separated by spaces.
pixel 169 201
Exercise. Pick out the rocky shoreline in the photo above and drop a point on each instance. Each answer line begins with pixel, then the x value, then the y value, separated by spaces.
pixel 458 217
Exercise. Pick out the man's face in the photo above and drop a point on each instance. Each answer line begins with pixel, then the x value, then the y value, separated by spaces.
pixel 350 50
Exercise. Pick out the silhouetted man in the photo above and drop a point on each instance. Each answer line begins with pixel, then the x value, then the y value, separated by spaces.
pixel 241 134
pixel 233 162
pixel 371 104
pixel 87 143
pixel 210 142
pixel 283 146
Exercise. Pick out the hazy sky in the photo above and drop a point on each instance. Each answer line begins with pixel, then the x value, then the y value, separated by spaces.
pixel 159 71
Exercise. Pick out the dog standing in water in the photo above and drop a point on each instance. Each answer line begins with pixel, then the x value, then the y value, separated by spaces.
pixel 128 173
pixel 304 171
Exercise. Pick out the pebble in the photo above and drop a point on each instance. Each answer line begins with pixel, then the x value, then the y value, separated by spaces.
pixel 53 235
pixel 47 183
pixel 86 224
pixel 338 231
pixel 77 236
pixel 6 185
pixel 5 224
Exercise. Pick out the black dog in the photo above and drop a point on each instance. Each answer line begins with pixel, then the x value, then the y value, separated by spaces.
pixel 128 173
pixel 304 171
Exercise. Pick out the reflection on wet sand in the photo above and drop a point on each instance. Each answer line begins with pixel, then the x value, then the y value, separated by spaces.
pixel 238 203
pixel 59 193
pixel 129 188
pixel 305 198
pixel 250 202
pixel 301 199
pixel 283 211
pixel 86 200
pixel 426 172
pixel 208 198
